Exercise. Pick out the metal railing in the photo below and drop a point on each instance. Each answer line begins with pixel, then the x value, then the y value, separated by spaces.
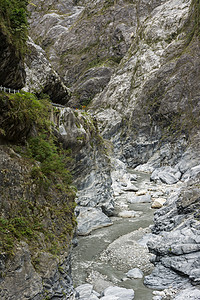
pixel 13 91
pixel 9 90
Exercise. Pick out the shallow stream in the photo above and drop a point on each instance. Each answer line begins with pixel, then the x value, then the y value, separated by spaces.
pixel 88 263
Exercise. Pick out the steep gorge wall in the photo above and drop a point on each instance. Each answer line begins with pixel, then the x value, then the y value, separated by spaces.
pixel 13 35
pixel 86 40
pixel 143 55
pixel 153 99
pixel 37 203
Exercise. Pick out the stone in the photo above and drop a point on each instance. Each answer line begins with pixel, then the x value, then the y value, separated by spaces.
pixel 162 278
pixel 140 199
pixel 141 193
pixel 133 177
pixel 109 298
pixel 94 53
pixel 84 291
pixel 188 294
pixel 135 273
pixel 166 175
pixel 146 106
pixel 119 293
pixel 158 203
pixel 93 297
pixel 21 278
pixel 125 252
pixel 129 214
pixel 130 188
pixel 90 219
pixel 144 240
pixel 176 243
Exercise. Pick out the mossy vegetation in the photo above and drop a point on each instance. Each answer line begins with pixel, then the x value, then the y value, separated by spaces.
pixel 13 21
pixel 196 5
pixel 41 212
pixel 21 113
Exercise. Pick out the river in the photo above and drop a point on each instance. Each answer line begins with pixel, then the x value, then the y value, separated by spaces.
pixel 103 257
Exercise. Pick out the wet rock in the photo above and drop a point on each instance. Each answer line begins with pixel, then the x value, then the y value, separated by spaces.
pixel 91 218
pixel 84 291
pixel 140 199
pixel 120 293
pixel 158 203
pixel 130 188
pixel 135 273
pixel 129 214
pixel 99 281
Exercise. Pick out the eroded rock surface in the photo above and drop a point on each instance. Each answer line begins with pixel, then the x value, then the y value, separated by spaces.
pixel 176 241
pixel 41 77
pixel 12 70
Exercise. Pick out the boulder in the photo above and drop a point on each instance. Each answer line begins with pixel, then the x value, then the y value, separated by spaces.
pixel 129 214
pixel 158 203
pixel 166 175
pixel 91 218
pixel 130 188
pixel 141 192
pixel 119 293
pixel 135 273
pixel 140 199
pixel 85 291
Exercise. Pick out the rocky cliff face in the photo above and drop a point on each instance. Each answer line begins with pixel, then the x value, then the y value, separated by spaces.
pixel 86 40
pixel 145 107
pixel 91 169
pixel 41 78
pixel 37 204
pixel 152 45
pixel 31 265
pixel 12 71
